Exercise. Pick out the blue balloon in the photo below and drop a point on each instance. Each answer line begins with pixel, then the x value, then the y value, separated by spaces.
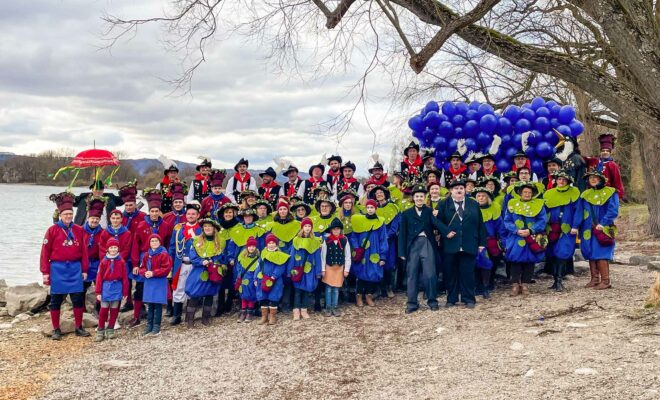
pixel 432 119
pixel 443 118
pixel 417 135
pixel 522 125
pixel 529 114
pixel 564 130
pixel 551 138
pixel 472 114
pixel 446 129
pixel 432 106
pixel 542 124
pixel 554 122
pixel 485 109
pixel 516 140
pixel 503 165
pixel 439 143
pixel 461 108
pixel 458 120
pixel 554 111
pixel 458 133
pixel 543 112
pixel 527 105
pixel 471 128
pixel 566 114
pixel 506 139
pixel 451 145
pixel 551 103
pixel 474 105
pixel 535 138
pixel 530 152
pixel 537 166
pixel 488 123
pixel 429 134
pixel 416 123
pixel 544 150
pixel 484 140
pixel 504 126
pixel 471 144
pixel 448 109
pixel 441 155
pixel 510 152
pixel 423 142
pixel 537 102
pixel 576 127
pixel 512 113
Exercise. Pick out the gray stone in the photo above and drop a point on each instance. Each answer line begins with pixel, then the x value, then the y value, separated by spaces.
pixel 90 299
pixel 622 258
pixel 4 312
pixel 25 298
pixel 21 318
pixel 581 267
pixel 5 326
pixel 653 266
pixel 90 321
pixel 117 364
pixel 640 260
pixel 577 256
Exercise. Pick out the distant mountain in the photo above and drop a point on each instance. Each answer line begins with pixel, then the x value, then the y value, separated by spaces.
pixel 142 165
pixel 6 155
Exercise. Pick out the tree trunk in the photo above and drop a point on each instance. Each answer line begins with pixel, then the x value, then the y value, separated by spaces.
pixel 649 149
pixel 623 151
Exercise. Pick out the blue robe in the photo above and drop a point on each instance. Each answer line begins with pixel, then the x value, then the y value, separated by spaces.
pixel 517 249
pixel 594 214
pixel 376 250
pixel 311 270
pixel 247 290
pixel 568 216
pixel 277 272
pixel 392 239
pixel 198 284
pixel 179 247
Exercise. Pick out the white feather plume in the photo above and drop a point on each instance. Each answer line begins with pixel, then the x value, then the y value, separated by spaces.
pixel 568 149
pixel 495 145
pixel 204 158
pixel 470 157
pixel 166 161
pixel 525 138
pixel 460 147
pixel 374 158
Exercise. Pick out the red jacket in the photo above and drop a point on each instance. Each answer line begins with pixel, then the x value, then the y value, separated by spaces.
pixel 161 264
pixel 92 252
pixel 139 217
pixel 53 248
pixel 611 171
pixel 173 219
pixel 207 206
pixel 118 273
pixel 141 239
pixel 125 243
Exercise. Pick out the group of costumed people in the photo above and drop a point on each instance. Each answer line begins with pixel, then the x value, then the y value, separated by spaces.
pixel 330 238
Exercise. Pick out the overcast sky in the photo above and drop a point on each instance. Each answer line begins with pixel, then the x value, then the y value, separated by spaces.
pixel 57 90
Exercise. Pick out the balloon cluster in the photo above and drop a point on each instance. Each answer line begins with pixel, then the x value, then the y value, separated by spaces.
pixel 530 127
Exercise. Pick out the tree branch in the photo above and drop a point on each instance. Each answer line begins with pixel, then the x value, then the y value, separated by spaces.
pixel 334 17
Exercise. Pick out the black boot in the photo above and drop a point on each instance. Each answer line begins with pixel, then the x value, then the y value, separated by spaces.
pixel 82 332
pixel 177 308
pixel 169 311
pixel 561 266
pixel 555 270
pixel 221 303
pixel 206 315
pixel 190 316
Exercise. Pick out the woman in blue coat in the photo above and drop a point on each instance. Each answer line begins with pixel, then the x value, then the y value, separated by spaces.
pixel 564 216
pixel 305 267
pixel 389 212
pixel 491 214
pixel 525 224
pixel 600 206
pixel 270 279
pixel 209 266
pixel 369 244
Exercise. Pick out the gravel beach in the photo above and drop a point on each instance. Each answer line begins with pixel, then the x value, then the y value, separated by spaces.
pixel 580 344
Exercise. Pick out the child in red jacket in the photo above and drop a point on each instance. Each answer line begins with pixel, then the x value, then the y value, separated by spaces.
pixel 155 266
pixel 111 286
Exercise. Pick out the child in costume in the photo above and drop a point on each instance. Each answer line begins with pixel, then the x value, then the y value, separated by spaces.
pixel 336 265
pixel 155 266
pixel 270 279
pixel 305 268
pixel 247 263
pixel 111 286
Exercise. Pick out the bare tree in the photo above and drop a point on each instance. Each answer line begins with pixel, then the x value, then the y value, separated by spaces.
pixel 608 50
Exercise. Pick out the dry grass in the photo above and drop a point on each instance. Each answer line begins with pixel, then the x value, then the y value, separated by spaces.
pixel 653 301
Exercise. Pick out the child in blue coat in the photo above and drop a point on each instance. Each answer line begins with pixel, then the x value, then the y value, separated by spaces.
pixel 304 267
pixel 245 268
pixel 155 266
pixel 270 279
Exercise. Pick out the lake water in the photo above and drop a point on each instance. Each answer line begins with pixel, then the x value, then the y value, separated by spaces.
pixel 28 213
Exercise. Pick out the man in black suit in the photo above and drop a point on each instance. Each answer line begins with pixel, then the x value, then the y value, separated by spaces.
pixel 463 234
pixel 416 246
pixel 112 201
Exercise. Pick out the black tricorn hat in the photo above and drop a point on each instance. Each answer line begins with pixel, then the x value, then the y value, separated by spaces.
pixel 377 165
pixel 348 165
pixel 270 172
pixel 335 223
pixel 292 168
pixel 243 162
pixel 412 145
pixel 205 163
pixel 335 158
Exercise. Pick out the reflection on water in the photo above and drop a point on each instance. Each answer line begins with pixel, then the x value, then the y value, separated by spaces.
pixel 27 214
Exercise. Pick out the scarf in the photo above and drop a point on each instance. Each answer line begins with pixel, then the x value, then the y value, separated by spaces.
pixel 92 233
pixel 489 173
pixel 67 230
pixel 189 230
pixel 153 225
pixel 242 180
pixel 116 232
pixel 267 188
pixel 204 180
pixel 228 224
pixel 153 253
pixel 112 261
pixel 315 181
pixel 551 183
pixel 601 163
pixel 456 172
pixel 380 181
pixel 335 176
pixel 292 188
pixel 514 168
pixel 371 216
pixel 178 215
pixel 336 239
pixel 217 201
pixel 414 168
pixel 347 183
pixel 129 216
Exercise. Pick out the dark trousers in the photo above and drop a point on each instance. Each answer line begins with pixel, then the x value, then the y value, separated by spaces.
pixel 154 316
pixel 522 272
pixel 300 298
pixel 77 299
pixel 366 287
pixel 206 301
pixel 421 258
pixel 139 290
pixel 459 268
